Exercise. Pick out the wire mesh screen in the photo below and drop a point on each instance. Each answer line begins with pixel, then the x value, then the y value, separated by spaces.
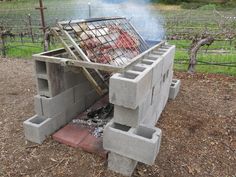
pixel 106 40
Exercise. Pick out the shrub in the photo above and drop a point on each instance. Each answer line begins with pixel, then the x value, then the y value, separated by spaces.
pixel 208 7
pixel 192 5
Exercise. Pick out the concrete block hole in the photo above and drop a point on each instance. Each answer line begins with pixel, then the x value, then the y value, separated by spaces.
pixel 147 62
pixel 174 81
pixel 129 75
pixel 43 84
pixel 144 132
pixel 40 67
pixel 138 68
pixel 120 127
pixel 153 57
pixel 37 120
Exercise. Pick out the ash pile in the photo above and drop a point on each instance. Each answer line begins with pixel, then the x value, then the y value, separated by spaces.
pixel 96 119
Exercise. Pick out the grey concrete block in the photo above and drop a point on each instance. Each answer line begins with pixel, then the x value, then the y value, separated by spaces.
pixel 53 79
pixel 174 89
pixel 168 59
pixel 166 46
pixel 121 164
pixel 73 77
pixel 55 74
pixel 38 107
pixel 40 67
pixel 36 129
pixel 157 71
pixel 166 89
pixel 150 117
pixel 158 60
pixel 130 89
pixel 43 87
pixel 90 98
pixel 81 90
pixel 132 117
pixel 59 121
pixel 154 109
pixel 159 100
pixel 75 109
pixel 49 107
pixel 141 144
pixel 42 76
pixel 157 107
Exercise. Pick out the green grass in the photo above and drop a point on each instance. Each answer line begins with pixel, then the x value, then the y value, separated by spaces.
pixel 19 51
pixel 25 49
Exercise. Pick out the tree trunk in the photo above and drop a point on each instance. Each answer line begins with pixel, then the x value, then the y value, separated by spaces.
pixel 196 45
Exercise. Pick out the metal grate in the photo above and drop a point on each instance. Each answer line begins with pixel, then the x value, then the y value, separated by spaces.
pixel 105 40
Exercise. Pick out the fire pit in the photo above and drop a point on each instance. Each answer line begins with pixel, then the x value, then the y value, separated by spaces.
pixel 105 56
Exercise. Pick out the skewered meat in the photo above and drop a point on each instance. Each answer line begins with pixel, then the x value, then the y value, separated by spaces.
pixel 101 44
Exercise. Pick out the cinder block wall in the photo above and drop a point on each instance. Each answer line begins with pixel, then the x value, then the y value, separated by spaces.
pixel 63 93
pixel 139 96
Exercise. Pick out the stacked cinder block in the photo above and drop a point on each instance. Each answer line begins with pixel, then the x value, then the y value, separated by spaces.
pixel 63 93
pixel 139 96
pixel 174 88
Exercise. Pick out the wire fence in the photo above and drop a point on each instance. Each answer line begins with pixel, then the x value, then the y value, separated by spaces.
pixel 24 31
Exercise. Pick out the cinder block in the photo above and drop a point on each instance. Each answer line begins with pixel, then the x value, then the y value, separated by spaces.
pixel 141 144
pixel 150 117
pixel 40 67
pixel 157 101
pixel 49 78
pixel 157 66
pixel 121 164
pixel 174 89
pixel 73 77
pixel 59 121
pixel 48 107
pixel 38 107
pixel 53 79
pixel 132 117
pixel 130 89
pixel 55 74
pixel 158 72
pixel 154 109
pixel 166 46
pixel 164 94
pixel 43 87
pixel 168 59
pixel 90 98
pixel 75 109
pixel 166 89
pixel 81 90
pixel 36 129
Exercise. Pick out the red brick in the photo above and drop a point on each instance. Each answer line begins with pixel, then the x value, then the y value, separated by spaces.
pixel 71 135
pixel 94 145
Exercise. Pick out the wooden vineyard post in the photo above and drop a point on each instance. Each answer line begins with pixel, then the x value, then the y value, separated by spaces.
pixel 3 44
pixel 30 27
pixel 42 8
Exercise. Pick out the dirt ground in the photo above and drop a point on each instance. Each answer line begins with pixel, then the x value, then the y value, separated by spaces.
pixel 199 131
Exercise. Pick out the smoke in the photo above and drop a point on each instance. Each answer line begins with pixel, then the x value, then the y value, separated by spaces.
pixel 148 22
